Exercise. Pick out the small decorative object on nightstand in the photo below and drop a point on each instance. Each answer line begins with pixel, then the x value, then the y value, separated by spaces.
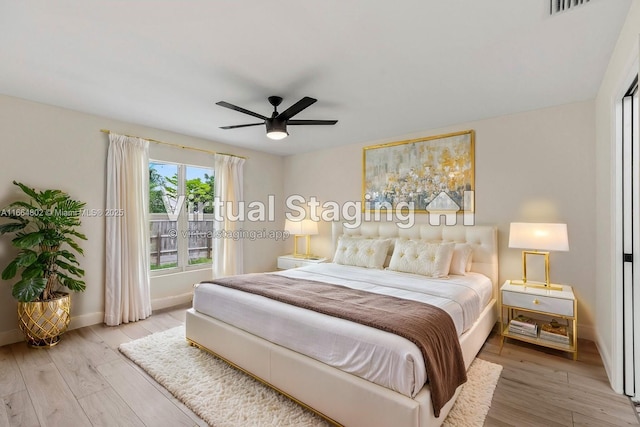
pixel 286 262
pixel 545 317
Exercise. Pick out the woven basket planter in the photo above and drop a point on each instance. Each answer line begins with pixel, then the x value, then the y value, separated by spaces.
pixel 42 322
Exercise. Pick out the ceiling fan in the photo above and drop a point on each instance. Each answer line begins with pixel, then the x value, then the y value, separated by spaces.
pixel 277 123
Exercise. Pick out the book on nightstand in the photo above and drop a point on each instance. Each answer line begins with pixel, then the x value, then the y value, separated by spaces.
pixel 554 331
pixel 523 325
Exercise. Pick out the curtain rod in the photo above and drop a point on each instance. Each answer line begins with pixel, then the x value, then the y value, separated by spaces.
pixel 185 147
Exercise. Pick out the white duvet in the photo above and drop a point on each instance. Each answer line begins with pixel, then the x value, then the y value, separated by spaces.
pixel 381 357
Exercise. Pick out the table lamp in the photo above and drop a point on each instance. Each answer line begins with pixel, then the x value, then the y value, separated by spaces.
pixel 538 239
pixel 304 228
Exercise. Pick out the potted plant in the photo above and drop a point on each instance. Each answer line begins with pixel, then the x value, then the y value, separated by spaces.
pixel 45 233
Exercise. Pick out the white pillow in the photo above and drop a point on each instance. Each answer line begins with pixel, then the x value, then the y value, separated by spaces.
pixel 359 252
pixel 461 259
pixel 421 257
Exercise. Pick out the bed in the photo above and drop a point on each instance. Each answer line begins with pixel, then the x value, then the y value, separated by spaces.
pixel 344 392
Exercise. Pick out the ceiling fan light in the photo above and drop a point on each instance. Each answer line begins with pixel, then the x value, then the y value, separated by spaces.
pixel 276 129
pixel 276 134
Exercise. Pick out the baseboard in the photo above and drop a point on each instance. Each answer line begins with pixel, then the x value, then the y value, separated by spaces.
pixel 80 321
pixel 605 355
pixel 10 337
pixel 172 301
pixel 15 335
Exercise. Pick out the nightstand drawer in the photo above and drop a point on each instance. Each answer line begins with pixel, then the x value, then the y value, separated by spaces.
pixel 285 263
pixel 543 303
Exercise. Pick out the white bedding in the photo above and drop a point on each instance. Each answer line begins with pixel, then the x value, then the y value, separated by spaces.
pixel 381 357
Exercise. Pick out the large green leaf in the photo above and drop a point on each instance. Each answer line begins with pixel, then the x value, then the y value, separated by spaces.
pixel 77 234
pixel 34 270
pixel 10 270
pixel 27 190
pixel 26 258
pixel 29 240
pixel 12 227
pixel 53 196
pixel 72 284
pixel 74 245
pixel 29 289
pixel 70 268
pixel 69 256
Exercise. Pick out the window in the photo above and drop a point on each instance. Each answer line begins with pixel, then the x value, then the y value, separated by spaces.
pixel 181 216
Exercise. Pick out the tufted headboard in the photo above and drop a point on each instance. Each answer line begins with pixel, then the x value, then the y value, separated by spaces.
pixel 483 238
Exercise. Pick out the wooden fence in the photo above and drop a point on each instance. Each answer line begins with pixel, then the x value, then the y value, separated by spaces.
pixel 164 242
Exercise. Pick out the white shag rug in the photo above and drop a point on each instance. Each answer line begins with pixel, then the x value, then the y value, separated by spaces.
pixel 225 397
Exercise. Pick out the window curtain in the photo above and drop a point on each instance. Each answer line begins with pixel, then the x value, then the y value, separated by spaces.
pixel 127 294
pixel 227 254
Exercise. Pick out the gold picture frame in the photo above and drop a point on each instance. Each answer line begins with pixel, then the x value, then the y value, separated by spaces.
pixel 431 174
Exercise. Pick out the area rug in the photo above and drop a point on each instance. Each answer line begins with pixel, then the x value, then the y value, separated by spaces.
pixel 225 397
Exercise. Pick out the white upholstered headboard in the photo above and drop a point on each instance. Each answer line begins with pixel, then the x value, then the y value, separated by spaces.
pixel 483 238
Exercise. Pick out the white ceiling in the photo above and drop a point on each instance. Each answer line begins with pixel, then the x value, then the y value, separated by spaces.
pixel 382 68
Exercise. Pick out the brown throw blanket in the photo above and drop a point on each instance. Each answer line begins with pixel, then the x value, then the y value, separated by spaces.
pixel 429 327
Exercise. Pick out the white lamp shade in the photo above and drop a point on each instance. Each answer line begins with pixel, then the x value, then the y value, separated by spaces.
pixel 540 236
pixel 301 228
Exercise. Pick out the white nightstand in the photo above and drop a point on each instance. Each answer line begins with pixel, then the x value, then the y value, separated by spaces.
pixel 540 305
pixel 286 262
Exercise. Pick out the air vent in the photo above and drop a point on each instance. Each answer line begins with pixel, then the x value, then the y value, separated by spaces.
pixel 559 6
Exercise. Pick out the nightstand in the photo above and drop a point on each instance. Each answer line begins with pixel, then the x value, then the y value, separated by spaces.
pixel 286 262
pixel 539 306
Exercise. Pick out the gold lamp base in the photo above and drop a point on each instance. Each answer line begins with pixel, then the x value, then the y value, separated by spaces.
pixel 308 254
pixel 534 284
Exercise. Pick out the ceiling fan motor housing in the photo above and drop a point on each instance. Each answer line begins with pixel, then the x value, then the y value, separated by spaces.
pixel 275 125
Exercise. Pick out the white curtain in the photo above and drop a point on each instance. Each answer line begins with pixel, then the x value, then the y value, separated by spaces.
pixel 127 295
pixel 227 247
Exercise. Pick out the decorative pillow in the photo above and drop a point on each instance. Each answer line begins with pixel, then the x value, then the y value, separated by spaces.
pixel 361 252
pixel 420 257
pixel 461 258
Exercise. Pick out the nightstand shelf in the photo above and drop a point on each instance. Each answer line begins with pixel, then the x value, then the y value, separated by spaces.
pixel 286 262
pixel 541 306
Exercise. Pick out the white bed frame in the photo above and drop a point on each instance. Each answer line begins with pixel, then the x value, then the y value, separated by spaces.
pixel 342 398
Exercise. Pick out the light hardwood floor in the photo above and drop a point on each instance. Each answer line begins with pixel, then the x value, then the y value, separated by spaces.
pixel 85 381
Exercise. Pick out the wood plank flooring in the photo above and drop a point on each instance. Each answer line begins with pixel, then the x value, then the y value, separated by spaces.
pixel 85 381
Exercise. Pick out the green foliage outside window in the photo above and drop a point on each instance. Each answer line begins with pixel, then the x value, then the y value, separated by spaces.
pixel 198 192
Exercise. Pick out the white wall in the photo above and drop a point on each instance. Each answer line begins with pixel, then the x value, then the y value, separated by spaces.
pixel 536 166
pixel 50 147
pixel 622 66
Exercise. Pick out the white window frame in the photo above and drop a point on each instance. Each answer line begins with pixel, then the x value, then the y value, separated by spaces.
pixel 182 224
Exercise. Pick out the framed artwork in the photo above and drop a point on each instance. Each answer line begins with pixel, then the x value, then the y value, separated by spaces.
pixel 432 174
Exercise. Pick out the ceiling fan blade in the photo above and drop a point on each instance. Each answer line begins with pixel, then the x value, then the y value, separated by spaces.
pixel 296 108
pixel 312 122
pixel 242 110
pixel 240 126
